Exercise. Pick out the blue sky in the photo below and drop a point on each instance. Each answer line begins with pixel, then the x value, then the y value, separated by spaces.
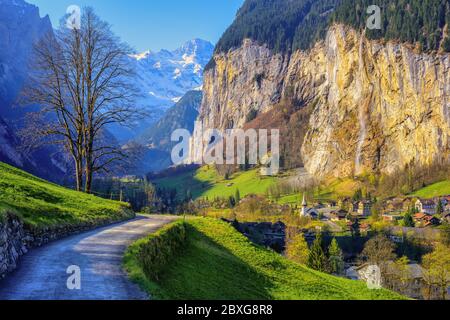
pixel 155 24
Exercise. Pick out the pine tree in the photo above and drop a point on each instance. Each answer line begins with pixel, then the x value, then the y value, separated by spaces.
pixel 232 201
pixel 439 208
pixel 317 259
pixel 336 260
pixel 237 196
pixel 408 220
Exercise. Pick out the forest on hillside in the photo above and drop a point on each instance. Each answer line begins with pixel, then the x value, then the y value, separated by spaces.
pixel 425 22
pixel 286 25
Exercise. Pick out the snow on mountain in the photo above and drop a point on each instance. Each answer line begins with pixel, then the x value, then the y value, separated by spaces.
pixel 164 77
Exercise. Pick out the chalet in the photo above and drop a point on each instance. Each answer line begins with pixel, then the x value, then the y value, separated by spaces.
pixel 365 208
pixel 397 204
pixel 413 287
pixel 425 220
pixel 332 204
pixel 339 215
pixel 392 216
pixel 364 227
pixel 426 206
pixel 445 203
pixel 445 200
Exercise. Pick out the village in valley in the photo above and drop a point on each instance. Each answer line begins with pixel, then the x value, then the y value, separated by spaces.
pixel 405 236
pixel 410 227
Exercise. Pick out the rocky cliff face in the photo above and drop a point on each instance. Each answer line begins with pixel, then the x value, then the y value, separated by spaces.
pixel 20 28
pixel 374 106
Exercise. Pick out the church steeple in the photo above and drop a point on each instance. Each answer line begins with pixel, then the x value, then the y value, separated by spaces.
pixel 304 204
pixel 304 212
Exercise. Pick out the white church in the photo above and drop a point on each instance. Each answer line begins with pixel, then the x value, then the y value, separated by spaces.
pixel 308 212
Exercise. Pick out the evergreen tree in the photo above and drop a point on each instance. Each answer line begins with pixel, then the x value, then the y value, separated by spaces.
pixel 355 228
pixel 439 208
pixel 232 202
pixel 336 260
pixel 408 220
pixel 237 196
pixel 317 259
pixel 358 196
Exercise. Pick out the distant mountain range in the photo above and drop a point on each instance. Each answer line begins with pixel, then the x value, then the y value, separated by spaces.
pixel 156 140
pixel 163 78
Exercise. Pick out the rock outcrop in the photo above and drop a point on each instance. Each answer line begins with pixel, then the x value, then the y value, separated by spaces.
pixel 375 106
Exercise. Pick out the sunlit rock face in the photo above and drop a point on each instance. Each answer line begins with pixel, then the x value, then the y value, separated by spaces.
pixel 381 107
pixel 375 106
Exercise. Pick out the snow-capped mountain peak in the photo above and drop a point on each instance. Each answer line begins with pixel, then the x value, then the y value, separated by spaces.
pixel 141 56
pixel 166 76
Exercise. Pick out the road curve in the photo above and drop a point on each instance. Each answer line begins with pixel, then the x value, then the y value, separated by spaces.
pixel 41 274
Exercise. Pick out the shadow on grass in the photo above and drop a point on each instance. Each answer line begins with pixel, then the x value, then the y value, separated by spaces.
pixel 208 271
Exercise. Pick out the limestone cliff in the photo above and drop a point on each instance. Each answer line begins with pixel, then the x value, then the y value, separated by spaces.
pixel 374 106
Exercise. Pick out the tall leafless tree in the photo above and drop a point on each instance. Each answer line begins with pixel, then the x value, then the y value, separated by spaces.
pixel 82 84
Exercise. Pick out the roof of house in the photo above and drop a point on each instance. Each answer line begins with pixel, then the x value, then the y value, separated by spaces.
pixel 427 202
pixel 420 216
pixel 312 211
pixel 340 213
pixel 393 214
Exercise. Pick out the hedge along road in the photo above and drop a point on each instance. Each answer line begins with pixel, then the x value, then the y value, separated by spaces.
pixel 42 273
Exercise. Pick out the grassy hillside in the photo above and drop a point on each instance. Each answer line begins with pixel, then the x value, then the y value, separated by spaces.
pixel 435 190
pixel 206 182
pixel 220 263
pixel 41 203
pixel 330 190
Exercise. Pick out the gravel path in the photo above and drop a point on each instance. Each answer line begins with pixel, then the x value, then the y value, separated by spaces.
pixel 42 273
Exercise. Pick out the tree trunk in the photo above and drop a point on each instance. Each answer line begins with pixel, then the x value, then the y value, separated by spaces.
pixel 79 175
pixel 88 172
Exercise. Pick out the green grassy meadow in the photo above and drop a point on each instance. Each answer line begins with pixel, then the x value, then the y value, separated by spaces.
pixel 219 263
pixel 438 189
pixel 205 182
pixel 41 203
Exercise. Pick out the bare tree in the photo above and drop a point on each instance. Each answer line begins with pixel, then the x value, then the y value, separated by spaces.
pixel 82 85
